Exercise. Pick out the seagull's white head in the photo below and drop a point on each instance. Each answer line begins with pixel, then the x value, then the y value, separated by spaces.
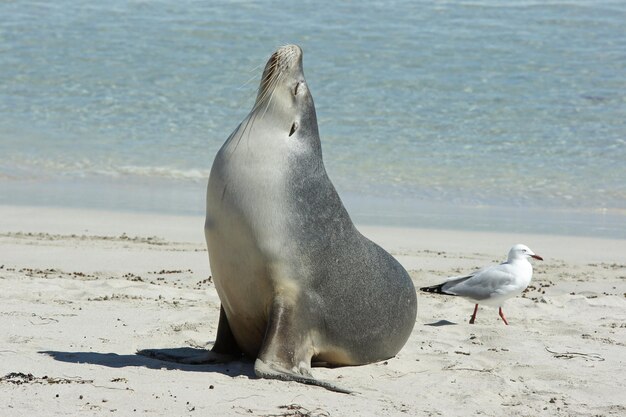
pixel 520 251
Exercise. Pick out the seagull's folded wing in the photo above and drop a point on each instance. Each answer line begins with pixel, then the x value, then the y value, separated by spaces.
pixel 483 284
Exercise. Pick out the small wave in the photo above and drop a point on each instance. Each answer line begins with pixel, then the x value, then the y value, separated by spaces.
pixel 164 172
pixel 38 168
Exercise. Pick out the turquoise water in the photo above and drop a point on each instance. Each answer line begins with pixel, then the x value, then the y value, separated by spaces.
pixel 462 114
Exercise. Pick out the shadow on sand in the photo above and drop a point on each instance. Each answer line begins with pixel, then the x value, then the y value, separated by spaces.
pixel 114 360
pixel 441 323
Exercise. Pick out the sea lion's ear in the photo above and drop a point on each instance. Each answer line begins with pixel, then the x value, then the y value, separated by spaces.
pixel 294 127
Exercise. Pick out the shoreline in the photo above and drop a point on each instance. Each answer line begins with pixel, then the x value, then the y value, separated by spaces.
pixel 83 290
pixel 177 197
pixel 190 228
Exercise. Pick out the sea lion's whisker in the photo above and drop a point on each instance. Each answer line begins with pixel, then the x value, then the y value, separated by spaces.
pixel 268 89
pixel 272 94
pixel 247 82
pixel 256 68
pixel 266 81
pixel 241 132
pixel 269 74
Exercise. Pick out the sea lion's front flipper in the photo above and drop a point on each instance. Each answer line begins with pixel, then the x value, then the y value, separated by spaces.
pixel 224 349
pixel 225 342
pixel 191 356
pixel 287 348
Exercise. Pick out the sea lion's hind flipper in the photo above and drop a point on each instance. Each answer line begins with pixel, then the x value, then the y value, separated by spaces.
pixel 264 370
pixel 287 347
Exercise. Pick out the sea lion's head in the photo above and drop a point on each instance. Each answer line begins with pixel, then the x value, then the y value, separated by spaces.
pixel 284 98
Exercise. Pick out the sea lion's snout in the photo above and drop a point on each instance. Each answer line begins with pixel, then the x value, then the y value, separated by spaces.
pixel 285 58
pixel 283 65
pixel 289 52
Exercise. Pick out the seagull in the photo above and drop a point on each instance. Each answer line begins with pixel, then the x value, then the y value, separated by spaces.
pixel 494 284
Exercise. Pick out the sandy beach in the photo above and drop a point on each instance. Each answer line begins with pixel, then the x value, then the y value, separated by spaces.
pixel 83 290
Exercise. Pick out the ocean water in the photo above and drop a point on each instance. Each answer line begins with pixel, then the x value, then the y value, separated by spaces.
pixel 504 116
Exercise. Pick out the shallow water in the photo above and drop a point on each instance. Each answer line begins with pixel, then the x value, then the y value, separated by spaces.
pixel 434 114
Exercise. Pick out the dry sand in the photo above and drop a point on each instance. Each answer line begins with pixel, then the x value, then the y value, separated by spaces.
pixel 81 291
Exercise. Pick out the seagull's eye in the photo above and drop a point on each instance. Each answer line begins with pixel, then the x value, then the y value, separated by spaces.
pixel 524 250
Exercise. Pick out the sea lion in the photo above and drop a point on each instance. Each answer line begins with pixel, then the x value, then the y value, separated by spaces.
pixel 297 281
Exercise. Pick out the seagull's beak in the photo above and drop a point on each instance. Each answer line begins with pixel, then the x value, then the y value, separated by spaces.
pixel 536 257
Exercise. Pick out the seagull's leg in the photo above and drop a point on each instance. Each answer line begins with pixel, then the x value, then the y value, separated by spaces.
pixel 474 315
pixel 502 315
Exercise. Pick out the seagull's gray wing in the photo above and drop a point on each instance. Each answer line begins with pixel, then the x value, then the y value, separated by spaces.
pixel 482 284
